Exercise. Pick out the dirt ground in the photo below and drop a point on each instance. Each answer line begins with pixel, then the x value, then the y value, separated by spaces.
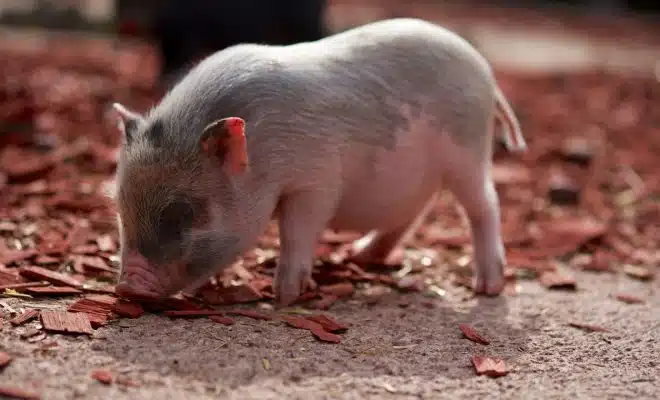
pixel 405 345
pixel 389 352
pixel 414 352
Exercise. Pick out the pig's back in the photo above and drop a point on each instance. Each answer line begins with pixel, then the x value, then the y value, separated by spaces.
pixel 352 112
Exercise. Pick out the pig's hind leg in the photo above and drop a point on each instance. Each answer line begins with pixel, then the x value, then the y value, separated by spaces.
pixel 377 246
pixel 302 218
pixel 467 176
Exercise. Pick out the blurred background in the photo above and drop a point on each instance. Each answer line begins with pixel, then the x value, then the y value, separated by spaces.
pixel 581 75
pixel 181 32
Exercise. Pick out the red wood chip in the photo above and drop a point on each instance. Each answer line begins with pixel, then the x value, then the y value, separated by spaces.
pixel 628 298
pixel 95 264
pixel 53 291
pixel 11 256
pixel 325 302
pixel 9 276
pixel 553 280
pixel 85 249
pixel 222 319
pixel 192 313
pixel 66 322
pixel 96 307
pixel 100 290
pixel 587 327
pixel 25 317
pixel 327 323
pixel 46 260
pixel 489 366
pixel 102 376
pixel 250 314
pixel 43 274
pixel 5 359
pixel 299 322
pixel 339 289
pixel 158 305
pixel 324 335
pixel 473 335
pixel 17 286
pixel 245 293
pixel 127 309
pixel 11 392
pixel 315 328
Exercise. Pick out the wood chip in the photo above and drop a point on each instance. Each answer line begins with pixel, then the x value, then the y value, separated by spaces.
pixel 553 280
pixel 191 313
pixel 11 256
pixel 24 318
pixel 490 366
pixel 325 302
pixel 95 264
pixel 66 322
pixel 12 392
pixel 9 276
pixel 5 359
pixel 53 291
pixel 327 323
pixel 250 314
pixel 25 285
pixel 245 293
pixel 343 289
pixel 102 376
pixel 629 298
pixel 298 322
pixel 222 319
pixel 315 328
pixel 324 335
pixel 96 307
pixel 588 327
pixel 44 274
pixel 638 272
pixel 472 334
pixel 127 309
pixel 87 249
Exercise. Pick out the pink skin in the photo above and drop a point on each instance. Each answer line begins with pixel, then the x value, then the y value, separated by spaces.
pixel 138 279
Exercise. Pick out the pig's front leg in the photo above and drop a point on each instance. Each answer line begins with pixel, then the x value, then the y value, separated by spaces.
pixel 302 218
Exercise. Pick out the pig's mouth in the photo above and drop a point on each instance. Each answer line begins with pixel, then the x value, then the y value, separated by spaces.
pixel 140 280
pixel 138 283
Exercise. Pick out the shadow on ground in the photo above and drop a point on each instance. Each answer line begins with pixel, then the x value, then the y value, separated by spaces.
pixel 383 339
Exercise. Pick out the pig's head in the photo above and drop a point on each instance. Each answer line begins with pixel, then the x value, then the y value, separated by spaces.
pixel 179 212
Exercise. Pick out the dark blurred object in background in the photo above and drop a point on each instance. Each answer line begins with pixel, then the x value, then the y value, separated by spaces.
pixel 188 30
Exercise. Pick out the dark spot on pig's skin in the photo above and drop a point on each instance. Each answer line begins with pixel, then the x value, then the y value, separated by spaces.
pixel 209 252
pixel 130 127
pixel 155 133
pixel 176 218
pixel 164 240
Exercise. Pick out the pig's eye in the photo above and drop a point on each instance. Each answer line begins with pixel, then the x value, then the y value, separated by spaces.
pixel 174 219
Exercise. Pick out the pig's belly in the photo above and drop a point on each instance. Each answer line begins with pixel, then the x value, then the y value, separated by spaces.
pixel 386 190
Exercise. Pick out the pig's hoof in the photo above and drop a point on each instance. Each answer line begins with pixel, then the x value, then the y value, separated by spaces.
pixel 289 285
pixel 491 286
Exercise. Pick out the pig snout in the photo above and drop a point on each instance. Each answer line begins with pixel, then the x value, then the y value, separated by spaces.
pixel 138 279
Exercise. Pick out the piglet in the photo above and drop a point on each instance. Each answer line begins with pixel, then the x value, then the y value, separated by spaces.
pixel 355 131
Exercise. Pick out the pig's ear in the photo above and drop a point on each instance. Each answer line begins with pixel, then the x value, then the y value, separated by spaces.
pixel 128 122
pixel 224 139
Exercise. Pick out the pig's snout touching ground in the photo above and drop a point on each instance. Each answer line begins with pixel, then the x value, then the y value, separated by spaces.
pixel 139 279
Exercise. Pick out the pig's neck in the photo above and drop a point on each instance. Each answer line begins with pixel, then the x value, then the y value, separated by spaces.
pixel 258 197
